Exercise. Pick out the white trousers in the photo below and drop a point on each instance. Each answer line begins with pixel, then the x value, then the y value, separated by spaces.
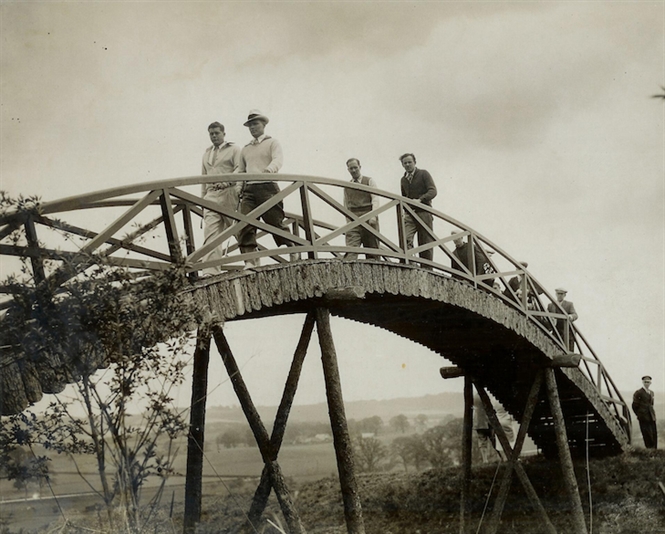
pixel 215 223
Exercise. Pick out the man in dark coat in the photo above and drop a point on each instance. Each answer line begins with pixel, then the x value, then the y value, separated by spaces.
pixel 480 259
pixel 643 400
pixel 569 309
pixel 418 184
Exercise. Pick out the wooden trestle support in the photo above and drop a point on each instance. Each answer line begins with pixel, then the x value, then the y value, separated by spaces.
pixel 512 454
pixel 271 477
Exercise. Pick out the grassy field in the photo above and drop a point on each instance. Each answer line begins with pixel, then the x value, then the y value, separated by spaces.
pixel 624 491
pixel 224 472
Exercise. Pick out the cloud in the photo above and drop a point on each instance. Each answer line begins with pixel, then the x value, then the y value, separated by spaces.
pixel 502 84
pixel 367 30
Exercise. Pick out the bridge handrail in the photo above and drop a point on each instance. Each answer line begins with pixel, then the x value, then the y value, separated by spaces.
pixel 170 196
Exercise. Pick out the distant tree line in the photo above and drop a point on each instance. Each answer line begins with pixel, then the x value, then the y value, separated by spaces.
pixel 439 446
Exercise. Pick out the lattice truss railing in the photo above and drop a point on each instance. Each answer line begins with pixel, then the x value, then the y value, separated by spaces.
pixel 148 227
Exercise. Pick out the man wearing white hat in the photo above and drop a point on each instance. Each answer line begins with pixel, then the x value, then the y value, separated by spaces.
pixel 569 309
pixel 262 155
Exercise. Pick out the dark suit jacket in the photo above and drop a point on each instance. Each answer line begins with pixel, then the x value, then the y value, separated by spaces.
pixel 483 265
pixel 643 405
pixel 421 186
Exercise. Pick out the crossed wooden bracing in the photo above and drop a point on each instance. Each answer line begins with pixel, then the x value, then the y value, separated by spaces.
pixel 150 226
pixel 498 331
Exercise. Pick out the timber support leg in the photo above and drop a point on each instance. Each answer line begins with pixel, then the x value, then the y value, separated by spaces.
pixel 291 516
pixel 193 480
pixel 340 430
pixel 564 453
pixel 263 490
pixel 467 445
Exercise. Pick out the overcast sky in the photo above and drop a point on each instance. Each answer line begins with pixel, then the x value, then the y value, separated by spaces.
pixel 535 120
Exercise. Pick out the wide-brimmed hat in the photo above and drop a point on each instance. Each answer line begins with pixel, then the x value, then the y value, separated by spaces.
pixel 256 115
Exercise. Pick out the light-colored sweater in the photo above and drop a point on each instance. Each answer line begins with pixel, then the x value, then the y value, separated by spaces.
pixel 261 155
pixel 227 162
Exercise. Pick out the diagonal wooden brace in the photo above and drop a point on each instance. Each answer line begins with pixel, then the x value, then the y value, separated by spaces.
pixel 263 490
pixel 513 457
pixel 260 434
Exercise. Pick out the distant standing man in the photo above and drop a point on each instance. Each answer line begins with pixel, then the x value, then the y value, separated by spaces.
pixel 569 308
pixel 359 203
pixel 219 158
pixel 484 431
pixel 418 184
pixel 643 401
pixel 262 155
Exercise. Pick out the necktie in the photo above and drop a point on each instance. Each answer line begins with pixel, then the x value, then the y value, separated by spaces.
pixel 213 156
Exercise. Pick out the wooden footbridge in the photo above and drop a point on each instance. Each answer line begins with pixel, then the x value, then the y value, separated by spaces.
pixel 497 333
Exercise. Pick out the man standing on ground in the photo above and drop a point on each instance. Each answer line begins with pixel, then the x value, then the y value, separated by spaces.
pixel 484 432
pixel 417 184
pixel 219 158
pixel 643 401
pixel 569 309
pixel 262 155
pixel 359 203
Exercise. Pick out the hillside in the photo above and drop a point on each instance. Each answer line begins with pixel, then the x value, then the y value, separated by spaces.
pixel 625 498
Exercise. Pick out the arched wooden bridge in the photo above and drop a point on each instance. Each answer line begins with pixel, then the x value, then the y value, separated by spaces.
pixel 496 331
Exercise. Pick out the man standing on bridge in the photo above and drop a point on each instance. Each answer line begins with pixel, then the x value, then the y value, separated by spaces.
pixel 219 158
pixel 262 155
pixel 359 203
pixel 643 401
pixel 569 309
pixel 480 259
pixel 418 184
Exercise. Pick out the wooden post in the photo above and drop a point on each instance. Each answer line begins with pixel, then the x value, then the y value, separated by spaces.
pixel 37 261
pixel 170 226
pixel 308 220
pixel 564 453
pixel 467 445
pixel 263 490
pixel 401 230
pixel 260 434
pixel 342 440
pixel 193 479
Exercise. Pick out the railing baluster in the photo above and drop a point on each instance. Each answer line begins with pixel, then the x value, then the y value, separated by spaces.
pixel 170 226
pixel 33 243
pixel 308 220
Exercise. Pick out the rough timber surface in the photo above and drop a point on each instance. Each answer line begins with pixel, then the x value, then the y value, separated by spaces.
pixel 488 338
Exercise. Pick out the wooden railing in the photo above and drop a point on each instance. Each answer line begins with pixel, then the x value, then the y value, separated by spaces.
pixel 161 222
